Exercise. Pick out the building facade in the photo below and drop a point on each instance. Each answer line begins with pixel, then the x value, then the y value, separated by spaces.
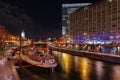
pixel 67 9
pixel 97 23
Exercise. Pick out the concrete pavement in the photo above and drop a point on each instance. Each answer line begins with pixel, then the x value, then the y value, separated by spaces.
pixel 7 69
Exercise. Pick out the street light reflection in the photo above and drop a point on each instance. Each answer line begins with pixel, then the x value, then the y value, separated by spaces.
pixel 84 68
pixel 66 63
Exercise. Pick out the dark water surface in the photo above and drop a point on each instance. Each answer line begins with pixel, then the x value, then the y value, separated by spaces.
pixel 73 68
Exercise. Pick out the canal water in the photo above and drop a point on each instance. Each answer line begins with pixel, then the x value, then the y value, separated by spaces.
pixel 73 68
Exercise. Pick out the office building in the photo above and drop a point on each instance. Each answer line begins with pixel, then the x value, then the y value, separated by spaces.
pixel 67 9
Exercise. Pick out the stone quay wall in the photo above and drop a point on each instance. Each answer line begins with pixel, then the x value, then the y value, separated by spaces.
pixel 93 55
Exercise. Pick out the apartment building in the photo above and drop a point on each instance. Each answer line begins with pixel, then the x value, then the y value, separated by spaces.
pixel 96 23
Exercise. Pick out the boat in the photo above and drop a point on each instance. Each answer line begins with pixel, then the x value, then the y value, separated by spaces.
pixel 39 58
pixel 42 46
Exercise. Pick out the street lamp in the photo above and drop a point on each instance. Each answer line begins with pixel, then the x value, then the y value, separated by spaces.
pixel 22 36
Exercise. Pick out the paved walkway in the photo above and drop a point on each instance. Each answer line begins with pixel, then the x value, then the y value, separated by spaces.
pixel 6 72
pixel 7 68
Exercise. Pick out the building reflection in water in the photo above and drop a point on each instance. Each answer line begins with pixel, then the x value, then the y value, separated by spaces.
pixel 84 68
pixel 79 64
pixel 116 74
pixel 81 68
pixel 66 64
pixel 99 70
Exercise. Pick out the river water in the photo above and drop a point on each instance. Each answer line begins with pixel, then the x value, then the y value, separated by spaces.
pixel 73 68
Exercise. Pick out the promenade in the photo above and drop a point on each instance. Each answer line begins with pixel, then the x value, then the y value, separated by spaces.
pixel 93 55
pixel 7 68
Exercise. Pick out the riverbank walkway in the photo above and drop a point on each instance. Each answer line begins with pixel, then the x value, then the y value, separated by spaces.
pixel 7 68
pixel 93 55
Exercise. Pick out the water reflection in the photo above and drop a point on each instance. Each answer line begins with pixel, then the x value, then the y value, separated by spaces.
pixel 84 68
pixel 81 68
pixel 76 68
pixel 65 62
pixel 116 75
pixel 99 70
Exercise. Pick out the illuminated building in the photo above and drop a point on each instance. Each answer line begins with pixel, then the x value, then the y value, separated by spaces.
pixel 97 23
pixel 67 9
pixel 3 33
pixel 5 36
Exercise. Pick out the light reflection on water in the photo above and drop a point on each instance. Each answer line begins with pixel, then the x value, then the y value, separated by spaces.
pixel 99 70
pixel 87 69
pixel 84 68
pixel 116 74
pixel 80 68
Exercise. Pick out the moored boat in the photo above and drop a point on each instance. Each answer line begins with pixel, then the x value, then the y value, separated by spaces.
pixel 39 58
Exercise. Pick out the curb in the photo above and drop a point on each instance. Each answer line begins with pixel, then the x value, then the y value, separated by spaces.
pixel 14 71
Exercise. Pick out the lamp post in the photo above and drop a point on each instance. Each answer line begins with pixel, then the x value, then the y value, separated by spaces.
pixel 22 36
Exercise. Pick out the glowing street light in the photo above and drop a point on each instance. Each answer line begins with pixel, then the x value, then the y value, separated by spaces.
pixel 23 34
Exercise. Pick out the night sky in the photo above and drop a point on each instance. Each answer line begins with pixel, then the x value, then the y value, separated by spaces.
pixel 38 18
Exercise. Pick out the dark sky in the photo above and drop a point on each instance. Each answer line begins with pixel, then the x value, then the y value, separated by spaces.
pixel 39 18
